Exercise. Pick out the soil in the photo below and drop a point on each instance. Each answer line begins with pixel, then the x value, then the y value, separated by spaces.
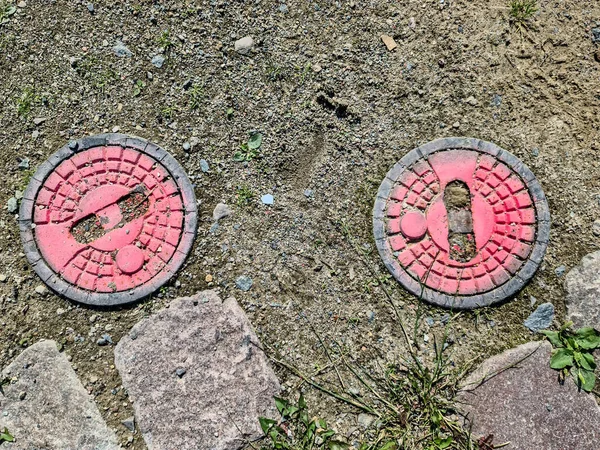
pixel 336 110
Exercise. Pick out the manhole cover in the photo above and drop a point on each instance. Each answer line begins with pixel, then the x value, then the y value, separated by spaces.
pixel 461 223
pixel 108 219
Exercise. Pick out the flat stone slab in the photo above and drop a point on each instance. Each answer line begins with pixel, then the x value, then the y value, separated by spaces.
pixel 526 405
pixel 582 284
pixel 197 375
pixel 46 407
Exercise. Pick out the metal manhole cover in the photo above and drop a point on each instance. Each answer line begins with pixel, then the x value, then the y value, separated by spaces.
pixel 461 223
pixel 108 219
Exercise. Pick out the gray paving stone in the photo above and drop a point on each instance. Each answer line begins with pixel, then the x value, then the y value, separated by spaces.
pixel 582 284
pixel 225 385
pixel 56 411
pixel 526 406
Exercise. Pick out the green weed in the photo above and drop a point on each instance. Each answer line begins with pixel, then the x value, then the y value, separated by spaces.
pixel 249 150
pixel 6 11
pixel 164 40
pixel 168 112
pixel 92 70
pixel 296 430
pixel 196 96
pixel 244 195
pixel 138 87
pixel 5 436
pixel 521 11
pixel 573 354
pixel 26 101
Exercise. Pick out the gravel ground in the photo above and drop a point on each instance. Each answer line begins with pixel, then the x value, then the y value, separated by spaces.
pixel 335 109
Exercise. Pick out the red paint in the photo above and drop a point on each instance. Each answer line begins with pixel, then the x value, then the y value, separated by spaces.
pixel 503 222
pixel 92 182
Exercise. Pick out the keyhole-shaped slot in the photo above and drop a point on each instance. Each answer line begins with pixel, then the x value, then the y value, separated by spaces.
pixel 461 238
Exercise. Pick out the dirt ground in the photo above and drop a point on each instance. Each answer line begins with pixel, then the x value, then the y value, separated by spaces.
pixel 336 110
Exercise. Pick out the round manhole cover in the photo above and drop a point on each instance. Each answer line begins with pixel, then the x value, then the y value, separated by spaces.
pixel 461 223
pixel 108 219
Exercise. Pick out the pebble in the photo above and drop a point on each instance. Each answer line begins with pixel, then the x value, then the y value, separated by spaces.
pixel 496 100
pixel 445 318
pixel 541 318
pixel 22 5
pixel 456 125
pixel 370 316
pixel 221 211
pixel 121 50
pixel 596 35
pixel 186 146
pixel 317 68
pixel 471 101
pixel 23 164
pixel 308 193
pixel 104 340
pixel 180 372
pixel 208 278
pixel 532 301
pixel 3 278
pixel 596 228
pixel 204 165
pixel 243 283
pixel 267 199
pixel 365 420
pixel 244 45
pixel 35 134
pixel 560 271
pixel 283 8
pixel 535 152
pixel 39 120
pixel 129 423
pixel 40 289
pixel 12 205
pixel 429 321
pixel 158 61
pixel 90 8
pixel 22 395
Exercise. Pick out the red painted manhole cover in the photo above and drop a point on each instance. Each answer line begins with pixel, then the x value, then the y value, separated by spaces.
pixel 108 219
pixel 461 223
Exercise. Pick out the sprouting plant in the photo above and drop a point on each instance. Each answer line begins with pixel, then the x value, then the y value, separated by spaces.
pixel 296 430
pixel 249 150
pixel 5 436
pixel 92 69
pixel 573 353
pixel 244 195
pixel 26 101
pixel 168 112
pixel 164 40
pixel 6 10
pixel 522 10
pixel 138 87
pixel 196 96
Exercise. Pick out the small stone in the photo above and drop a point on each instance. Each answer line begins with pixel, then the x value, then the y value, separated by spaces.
pixel 532 301
pixel 541 318
pixel 535 152
pixel 121 50
pixel 365 420
pixel 597 55
pixel 596 228
pixel 3 278
pixel 90 8
pixel 412 23
pixel 39 120
pixel 389 42
pixel 456 125
pixel 101 342
pixel 243 283
pixel 158 61
pixel 60 311
pixel 471 101
pixel 35 134
pixel 12 205
pixel 596 35
pixel 186 146
pixel 129 423
pixel 267 199
pixel 308 193
pixel 204 165
pixel 22 4
pixel 180 372
pixel 429 321
pixel 42 290
pixel 244 45
pixel 445 319
pixel 22 395
pixel 283 8
pixel 23 164
pixel 370 316
pixel 560 271
pixel 317 68
pixel 426 338
pixel 497 100
pixel 208 278
pixel 221 211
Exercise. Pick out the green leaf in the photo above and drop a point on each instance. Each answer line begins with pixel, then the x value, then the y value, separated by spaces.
pixel 301 402
pixel 282 405
pixel 553 337
pixel 587 338
pixel 590 363
pixel 5 436
pixel 443 443
pixel 255 141
pixel 561 358
pixel 565 326
pixel 587 379
pixel 266 424
pixel 229 112
pixel 337 445
pixel 389 446
pixel 239 157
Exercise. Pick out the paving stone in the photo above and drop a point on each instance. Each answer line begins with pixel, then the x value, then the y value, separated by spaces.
pixel 526 406
pixel 46 406
pixel 227 383
pixel 582 284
